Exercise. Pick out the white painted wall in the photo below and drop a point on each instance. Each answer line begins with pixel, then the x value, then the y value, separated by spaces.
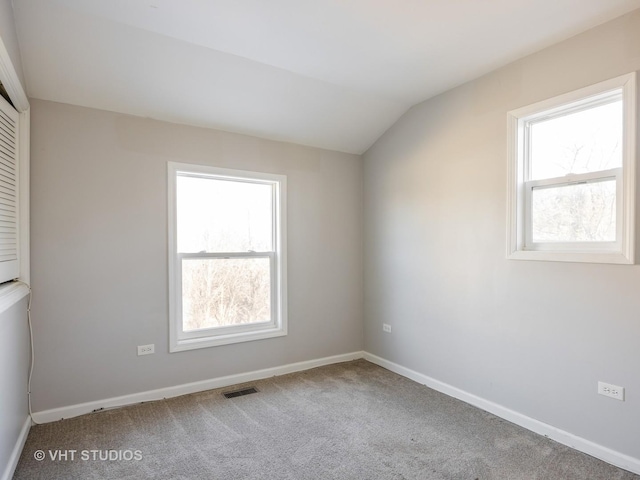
pixel 534 337
pixel 14 368
pixel 99 253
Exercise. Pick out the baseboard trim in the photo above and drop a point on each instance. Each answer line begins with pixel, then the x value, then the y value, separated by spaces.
pixel 578 443
pixel 17 450
pixel 55 414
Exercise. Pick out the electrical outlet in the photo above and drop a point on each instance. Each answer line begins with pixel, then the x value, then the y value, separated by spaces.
pixel 146 349
pixel 612 391
pixel 386 328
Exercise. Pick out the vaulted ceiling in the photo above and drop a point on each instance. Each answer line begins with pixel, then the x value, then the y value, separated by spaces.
pixel 329 73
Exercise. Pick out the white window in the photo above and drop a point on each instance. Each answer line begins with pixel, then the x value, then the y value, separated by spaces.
pixel 572 176
pixel 227 256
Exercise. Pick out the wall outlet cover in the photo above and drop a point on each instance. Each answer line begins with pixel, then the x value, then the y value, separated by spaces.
pixel 146 349
pixel 613 391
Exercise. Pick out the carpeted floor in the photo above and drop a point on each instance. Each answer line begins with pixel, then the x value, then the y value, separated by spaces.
pixel 350 421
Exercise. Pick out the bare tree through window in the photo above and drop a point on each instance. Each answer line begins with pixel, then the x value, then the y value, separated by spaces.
pixel 581 142
pixel 224 217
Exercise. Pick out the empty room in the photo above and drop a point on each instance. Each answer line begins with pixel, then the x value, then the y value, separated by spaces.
pixel 329 239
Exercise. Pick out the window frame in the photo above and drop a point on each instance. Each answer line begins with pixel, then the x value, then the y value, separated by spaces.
pixel 520 245
pixel 210 337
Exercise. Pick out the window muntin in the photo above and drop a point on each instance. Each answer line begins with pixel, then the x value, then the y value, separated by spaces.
pixel 227 257
pixel 572 176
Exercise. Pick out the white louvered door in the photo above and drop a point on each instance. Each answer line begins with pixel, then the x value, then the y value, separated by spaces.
pixel 9 262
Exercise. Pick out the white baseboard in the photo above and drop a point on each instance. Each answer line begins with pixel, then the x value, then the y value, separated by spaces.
pixel 578 443
pixel 603 453
pixel 17 450
pixel 55 414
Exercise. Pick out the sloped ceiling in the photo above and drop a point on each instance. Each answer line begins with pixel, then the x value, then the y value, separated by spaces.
pixel 334 74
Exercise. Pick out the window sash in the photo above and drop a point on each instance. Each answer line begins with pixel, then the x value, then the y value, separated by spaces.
pixel 275 195
pixel 588 103
pixel 229 329
pixel 574 179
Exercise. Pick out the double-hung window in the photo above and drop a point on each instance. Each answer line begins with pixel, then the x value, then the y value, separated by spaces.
pixel 227 256
pixel 572 176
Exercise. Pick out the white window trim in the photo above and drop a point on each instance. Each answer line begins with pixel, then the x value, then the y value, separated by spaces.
pixel 23 197
pixel 179 340
pixel 518 245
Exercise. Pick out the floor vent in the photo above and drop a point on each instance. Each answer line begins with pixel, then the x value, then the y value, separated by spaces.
pixel 240 393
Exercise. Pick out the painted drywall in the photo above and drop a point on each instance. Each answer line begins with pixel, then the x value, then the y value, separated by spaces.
pixel 99 253
pixel 534 337
pixel 9 37
pixel 14 367
pixel 14 333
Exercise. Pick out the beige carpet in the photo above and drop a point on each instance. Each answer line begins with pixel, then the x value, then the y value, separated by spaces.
pixel 348 421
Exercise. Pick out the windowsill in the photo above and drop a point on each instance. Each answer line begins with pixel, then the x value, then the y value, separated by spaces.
pixel 213 341
pixel 11 293
pixel 615 258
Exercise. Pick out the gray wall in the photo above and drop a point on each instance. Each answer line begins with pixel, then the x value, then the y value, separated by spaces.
pixel 532 336
pixel 14 368
pixel 99 252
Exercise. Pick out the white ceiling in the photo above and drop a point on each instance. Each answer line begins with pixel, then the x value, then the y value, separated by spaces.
pixel 329 73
